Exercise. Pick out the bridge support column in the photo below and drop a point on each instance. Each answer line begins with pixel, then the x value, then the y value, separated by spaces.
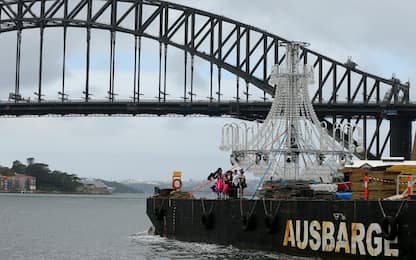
pixel 401 136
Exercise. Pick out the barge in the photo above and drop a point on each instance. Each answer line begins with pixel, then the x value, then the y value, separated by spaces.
pixel 293 146
pixel 354 229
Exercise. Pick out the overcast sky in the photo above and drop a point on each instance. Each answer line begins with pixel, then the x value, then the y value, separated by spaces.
pixel 378 34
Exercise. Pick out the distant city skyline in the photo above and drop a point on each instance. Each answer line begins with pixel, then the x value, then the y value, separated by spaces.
pixel 378 35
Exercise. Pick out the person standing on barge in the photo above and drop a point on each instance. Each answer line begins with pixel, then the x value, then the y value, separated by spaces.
pixel 242 182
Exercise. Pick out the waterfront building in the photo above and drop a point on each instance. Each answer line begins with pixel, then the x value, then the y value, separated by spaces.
pixel 17 183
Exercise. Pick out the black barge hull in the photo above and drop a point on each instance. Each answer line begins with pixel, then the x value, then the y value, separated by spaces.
pixel 327 229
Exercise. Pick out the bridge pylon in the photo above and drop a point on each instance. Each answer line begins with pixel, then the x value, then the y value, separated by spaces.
pixel 401 136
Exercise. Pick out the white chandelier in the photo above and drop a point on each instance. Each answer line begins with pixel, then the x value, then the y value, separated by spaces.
pixel 291 143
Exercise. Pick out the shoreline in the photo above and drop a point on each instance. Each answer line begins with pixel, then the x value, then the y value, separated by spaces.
pixel 64 193
pixel 56 192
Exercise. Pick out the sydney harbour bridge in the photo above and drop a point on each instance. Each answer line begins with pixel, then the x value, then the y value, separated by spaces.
pixel 231 59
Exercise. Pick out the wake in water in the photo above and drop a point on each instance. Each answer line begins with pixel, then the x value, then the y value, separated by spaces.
pixel 157 247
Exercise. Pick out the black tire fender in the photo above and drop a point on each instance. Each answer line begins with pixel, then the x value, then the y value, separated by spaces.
pixel 389 227
pixel 271 223
pixel 248 222
pixel 160 213
pixel 208 220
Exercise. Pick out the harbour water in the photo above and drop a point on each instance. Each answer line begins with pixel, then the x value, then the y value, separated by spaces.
pixel 41 226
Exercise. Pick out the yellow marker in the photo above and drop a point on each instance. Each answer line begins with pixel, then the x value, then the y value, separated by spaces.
pixel 177 174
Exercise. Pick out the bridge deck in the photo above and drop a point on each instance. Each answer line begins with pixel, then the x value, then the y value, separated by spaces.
pixel 244 110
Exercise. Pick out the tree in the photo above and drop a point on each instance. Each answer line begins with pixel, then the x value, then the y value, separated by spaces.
pixel 52 180
pixel 6 171
pixel 18 167
pixel 46 180
pixel 30 160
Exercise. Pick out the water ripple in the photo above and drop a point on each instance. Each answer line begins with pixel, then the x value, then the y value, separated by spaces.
pixel 157 247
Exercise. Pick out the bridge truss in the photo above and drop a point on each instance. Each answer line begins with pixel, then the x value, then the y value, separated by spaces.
pixel 226 47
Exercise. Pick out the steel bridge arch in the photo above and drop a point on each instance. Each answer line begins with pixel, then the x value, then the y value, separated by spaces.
pixel 17 15
pixel 244 50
